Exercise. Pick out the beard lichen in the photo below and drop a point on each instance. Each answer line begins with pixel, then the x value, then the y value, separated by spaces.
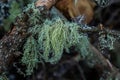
pixel 52 39
pixel 30 56
pixel 49 38
pixel 58 36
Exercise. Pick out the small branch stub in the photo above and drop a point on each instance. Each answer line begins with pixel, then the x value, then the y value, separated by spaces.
pixel 47 3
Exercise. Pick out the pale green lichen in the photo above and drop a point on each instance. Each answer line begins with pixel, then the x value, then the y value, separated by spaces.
pixel 35 17
pixel 30 56
pixel 49 38
pixel 31 53
pixel 57 36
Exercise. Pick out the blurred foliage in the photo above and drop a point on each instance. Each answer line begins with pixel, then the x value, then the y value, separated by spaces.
pixel 16 7
pixel 14 11
pixel 3 77
pixel 4 11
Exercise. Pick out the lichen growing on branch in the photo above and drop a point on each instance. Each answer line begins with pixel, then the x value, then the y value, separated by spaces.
pixel 47 38
pixel 55 36
pixel 50 38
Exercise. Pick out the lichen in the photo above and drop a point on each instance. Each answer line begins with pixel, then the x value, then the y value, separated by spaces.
pixel 107 41
pixel 30 56
pixel 50 38
pixel 56 36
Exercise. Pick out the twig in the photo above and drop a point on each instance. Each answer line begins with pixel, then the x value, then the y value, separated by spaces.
pixel 105 63
pixel 97 29
pixel 99 59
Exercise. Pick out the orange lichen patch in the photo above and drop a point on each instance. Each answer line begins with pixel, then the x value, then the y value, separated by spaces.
pixel 70 9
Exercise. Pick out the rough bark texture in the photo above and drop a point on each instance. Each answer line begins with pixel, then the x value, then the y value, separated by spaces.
pixel 11 43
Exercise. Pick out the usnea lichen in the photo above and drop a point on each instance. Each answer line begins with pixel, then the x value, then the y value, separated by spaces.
pixel 57 36
pixel 30 56
pixel 50 38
